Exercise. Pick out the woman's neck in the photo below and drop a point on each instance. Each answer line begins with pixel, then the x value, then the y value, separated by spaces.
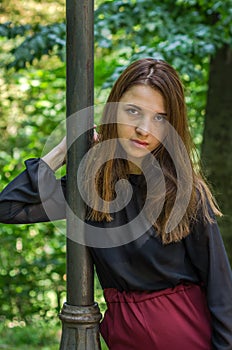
pixel 134 169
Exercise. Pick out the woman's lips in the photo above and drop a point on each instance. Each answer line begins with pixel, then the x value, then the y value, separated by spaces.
pixel 139 143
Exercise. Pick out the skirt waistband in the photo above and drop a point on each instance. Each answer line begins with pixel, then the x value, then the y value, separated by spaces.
pixel 112 295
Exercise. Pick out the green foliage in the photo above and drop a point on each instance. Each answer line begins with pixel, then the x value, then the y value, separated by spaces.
pixel 40 335
pixel 32 272
pixel 183 32
pixel 39 41
pixel 11 31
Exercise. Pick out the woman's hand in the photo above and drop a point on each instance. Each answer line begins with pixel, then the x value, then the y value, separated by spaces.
pixel 57 156
pixel 95 134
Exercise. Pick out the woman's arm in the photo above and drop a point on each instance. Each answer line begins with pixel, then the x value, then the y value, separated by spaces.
pixel 36 195
pixel 57 157
pixel 207 254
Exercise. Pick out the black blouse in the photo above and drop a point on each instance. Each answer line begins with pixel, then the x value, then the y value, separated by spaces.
pixel 143 263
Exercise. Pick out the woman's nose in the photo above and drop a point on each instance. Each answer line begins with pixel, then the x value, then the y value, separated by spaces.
pixel 143 128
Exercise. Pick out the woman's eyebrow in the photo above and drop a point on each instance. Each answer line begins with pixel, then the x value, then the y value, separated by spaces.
pixel 162 113
pixel 134 106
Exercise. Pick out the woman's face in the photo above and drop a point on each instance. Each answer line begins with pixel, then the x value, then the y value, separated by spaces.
pixel 141 121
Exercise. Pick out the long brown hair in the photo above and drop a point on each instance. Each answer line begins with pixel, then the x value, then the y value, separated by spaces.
pixel 160 76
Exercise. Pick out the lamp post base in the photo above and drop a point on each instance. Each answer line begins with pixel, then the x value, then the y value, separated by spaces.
pixel 80 327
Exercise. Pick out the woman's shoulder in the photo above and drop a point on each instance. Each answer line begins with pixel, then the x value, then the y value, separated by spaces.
pixel 206 205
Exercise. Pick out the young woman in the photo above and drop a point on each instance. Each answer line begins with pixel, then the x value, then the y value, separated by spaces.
pixel 167 279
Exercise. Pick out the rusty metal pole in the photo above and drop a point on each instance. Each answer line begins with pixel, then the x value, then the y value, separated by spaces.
pixel 80 315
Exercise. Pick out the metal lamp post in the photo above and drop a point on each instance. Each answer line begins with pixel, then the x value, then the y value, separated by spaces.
pixel 80 315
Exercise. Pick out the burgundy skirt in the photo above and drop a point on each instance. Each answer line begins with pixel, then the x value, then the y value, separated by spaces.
pixel 175 318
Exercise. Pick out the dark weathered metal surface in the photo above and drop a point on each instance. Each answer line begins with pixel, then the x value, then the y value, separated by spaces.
pixel 80 315
pixel 79 95
pixel 80 327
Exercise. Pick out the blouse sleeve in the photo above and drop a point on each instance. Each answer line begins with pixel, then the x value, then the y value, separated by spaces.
pixel 207 253
pixel 33 196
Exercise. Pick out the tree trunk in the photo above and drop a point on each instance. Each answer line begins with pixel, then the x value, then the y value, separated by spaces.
pixel 217 140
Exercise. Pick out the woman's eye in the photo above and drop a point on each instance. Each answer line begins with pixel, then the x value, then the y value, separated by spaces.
pixel 132 111
pixel 159 118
